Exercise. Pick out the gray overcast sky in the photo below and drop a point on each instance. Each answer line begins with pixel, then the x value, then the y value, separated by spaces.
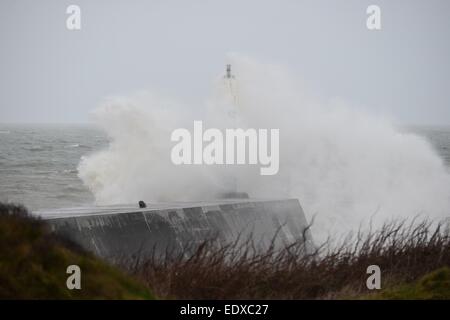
pixel 50 74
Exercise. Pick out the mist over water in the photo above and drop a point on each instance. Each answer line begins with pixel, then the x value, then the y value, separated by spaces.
pixel 344 165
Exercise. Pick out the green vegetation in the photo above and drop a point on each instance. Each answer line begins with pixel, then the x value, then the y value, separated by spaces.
pixel 435 285
pixel 33 264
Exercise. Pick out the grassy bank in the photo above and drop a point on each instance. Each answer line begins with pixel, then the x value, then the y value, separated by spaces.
pixel 414 259
pixel 33 264
pixel 435 285
pixel 407 254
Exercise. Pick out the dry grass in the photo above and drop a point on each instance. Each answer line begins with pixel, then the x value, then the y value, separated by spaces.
pixel 405 251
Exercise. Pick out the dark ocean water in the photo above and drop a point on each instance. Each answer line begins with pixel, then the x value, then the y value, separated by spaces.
pixel 38 164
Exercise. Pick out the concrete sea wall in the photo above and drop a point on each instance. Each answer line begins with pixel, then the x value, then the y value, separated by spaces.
pixel 119 232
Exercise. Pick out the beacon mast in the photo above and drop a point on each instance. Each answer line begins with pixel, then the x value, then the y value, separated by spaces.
pixel 230 83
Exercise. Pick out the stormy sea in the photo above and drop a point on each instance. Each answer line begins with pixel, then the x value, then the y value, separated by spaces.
pixel 38 163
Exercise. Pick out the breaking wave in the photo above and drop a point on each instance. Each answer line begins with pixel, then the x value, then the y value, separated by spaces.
pixel 344 165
